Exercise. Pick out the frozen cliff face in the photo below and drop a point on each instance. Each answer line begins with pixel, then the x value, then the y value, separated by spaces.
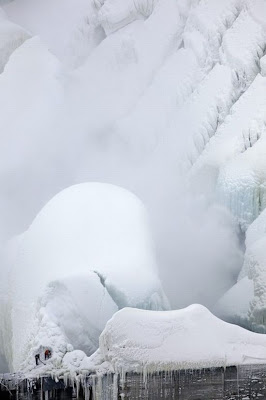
pixel 87 253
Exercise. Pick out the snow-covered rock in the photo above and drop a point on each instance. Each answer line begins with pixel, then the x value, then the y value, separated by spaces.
pixel 138 340
pixel 88 227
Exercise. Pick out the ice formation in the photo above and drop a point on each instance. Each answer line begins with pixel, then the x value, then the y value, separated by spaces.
pixel 137 340
pixel 86 254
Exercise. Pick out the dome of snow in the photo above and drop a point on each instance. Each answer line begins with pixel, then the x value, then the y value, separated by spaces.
pixel 88 227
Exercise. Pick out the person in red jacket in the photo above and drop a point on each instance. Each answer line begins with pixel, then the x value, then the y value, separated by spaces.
pixel 47 354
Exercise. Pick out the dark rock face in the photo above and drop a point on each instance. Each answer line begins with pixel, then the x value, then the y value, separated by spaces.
pixel 232 383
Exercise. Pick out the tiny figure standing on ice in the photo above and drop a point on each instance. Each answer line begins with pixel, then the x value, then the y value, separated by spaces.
pixel 37 358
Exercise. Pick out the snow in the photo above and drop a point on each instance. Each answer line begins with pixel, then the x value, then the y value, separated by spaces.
pixel 207 24
pixel 70 314
pixel 88 227
pixel 11 37
pixel 139 340
pixel 242 48
pixel 234 305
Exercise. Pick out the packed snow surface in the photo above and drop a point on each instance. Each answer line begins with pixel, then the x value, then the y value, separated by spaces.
pixel 136 340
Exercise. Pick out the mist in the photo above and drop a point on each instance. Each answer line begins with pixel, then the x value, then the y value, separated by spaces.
pixel 110 119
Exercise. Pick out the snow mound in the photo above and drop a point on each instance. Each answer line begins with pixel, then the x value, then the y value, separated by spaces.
pixel 88 227
pixel 138 340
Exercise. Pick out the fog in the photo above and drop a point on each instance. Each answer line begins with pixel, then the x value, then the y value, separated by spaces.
pixel 97 123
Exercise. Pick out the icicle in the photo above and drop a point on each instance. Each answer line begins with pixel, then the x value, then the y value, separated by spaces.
pixel 78 386
pixel 115 386
pixel 94 387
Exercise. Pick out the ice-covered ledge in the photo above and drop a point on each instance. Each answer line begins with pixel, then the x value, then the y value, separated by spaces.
pixel 147 342
pixel 192 337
